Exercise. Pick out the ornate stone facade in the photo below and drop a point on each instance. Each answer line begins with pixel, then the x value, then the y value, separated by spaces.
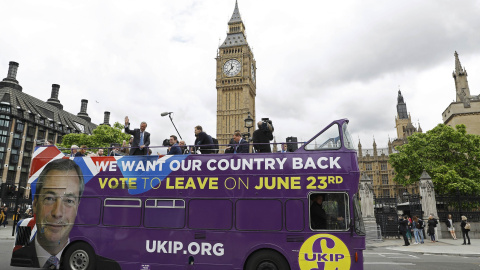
pixel 374 162
pixel 466 109
pixel 235 81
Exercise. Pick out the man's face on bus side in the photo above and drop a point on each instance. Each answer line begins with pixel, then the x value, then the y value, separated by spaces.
pixel 56 208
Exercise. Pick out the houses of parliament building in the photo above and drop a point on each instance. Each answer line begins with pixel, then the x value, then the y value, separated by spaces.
pixel 374 163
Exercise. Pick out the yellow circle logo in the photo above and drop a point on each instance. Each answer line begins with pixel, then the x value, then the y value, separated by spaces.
pixel 324 252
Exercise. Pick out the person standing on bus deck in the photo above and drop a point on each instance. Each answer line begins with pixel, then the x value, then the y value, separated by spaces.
pixel 141 138
pixel 318 216
pixel 174 149
pixel 263 135
pixel 241 145
pixel 231 145
pixel 81 152
pixel 203 138
pixel 74 149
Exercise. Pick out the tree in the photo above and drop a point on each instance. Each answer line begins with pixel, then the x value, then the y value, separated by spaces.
pixel 102 137
pixel 450 156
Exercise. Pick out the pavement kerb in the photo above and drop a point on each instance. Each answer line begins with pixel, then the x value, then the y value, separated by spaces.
pixel 441 247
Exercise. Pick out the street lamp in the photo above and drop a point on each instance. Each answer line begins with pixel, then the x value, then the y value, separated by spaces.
pixel 405 196
pixel 248 123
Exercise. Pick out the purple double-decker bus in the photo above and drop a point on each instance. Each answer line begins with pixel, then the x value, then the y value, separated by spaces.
pixel 293 210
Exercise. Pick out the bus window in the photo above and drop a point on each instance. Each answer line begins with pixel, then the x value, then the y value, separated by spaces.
pixel 328 140
pixel 122 212
pixel 329 211
pixel 164 213
pixel 347 138
pixel 214 214
pixel 249 212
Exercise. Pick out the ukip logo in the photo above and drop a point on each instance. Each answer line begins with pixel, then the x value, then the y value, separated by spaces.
pixel 324 252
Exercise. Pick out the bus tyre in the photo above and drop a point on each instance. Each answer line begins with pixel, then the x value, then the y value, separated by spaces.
pixel 79 256
pixel 267 260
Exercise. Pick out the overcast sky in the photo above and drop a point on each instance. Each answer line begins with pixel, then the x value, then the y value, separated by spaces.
pixel 317 61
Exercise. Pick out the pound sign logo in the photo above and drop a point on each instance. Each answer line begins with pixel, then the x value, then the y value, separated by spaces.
pixel 324 252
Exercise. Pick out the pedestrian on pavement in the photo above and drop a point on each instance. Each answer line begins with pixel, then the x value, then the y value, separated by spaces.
pixel 450 227
pixel 402 228
pixel 5 216
pixel 409 228
pixel 432 223
pixel 465 230
pixel 417 230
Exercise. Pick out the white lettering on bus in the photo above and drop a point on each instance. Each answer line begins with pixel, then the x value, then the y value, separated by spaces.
pixel 193 248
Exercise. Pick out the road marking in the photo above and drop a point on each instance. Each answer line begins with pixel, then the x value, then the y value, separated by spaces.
pixel 388 263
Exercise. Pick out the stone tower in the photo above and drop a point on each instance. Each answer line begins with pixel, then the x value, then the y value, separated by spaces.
pixel 403 118
pixel 466 109
pixel 461 83
pixel 235 81
pixel 403 122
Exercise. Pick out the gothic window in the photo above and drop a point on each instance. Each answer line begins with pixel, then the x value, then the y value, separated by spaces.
pixel 383 166
pixel 384 179
pixel 386 192
pixel 368 166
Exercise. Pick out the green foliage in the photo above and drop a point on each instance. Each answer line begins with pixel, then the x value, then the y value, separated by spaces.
pixel 102 137
pixel 450 156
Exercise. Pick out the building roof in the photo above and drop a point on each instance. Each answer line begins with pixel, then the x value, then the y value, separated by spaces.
pixel 236 15
pixel 19 100
pixel 380 151
pixel 235 39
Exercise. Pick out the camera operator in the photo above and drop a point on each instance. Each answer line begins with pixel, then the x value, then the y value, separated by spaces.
pixel 263 135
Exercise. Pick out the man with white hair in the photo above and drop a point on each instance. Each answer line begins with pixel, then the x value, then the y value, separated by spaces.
pixel 74 150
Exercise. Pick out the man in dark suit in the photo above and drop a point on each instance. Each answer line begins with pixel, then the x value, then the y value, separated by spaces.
pixel 174 148
pixel 241 144
pixel 141 138
pixel 203 141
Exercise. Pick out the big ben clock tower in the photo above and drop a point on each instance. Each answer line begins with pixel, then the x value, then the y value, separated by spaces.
pixel 236 81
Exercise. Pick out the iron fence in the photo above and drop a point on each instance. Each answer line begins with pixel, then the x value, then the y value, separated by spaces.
pixel 458 204
pixel 386 216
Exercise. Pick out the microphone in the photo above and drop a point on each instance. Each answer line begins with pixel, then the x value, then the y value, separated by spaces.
pixel 165 113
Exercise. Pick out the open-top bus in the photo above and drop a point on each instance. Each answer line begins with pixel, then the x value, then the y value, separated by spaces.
pixel 217 211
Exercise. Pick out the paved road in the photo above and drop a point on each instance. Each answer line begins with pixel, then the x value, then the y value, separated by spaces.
pixel 5 255
pixel 383 258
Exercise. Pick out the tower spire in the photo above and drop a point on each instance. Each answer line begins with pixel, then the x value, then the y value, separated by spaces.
pixel 401 106
pixel 461 83
pixel 458 66
pixel 236 15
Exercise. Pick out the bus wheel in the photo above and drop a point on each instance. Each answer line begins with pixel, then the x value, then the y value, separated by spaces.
pixel 267 260
pixel 79 256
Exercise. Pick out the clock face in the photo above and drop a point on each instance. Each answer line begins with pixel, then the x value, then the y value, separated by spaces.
pixel 231 68
pixel 253 73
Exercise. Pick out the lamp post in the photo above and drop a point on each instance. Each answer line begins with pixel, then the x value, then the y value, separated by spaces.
pixel 406 196
pixel 248 125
